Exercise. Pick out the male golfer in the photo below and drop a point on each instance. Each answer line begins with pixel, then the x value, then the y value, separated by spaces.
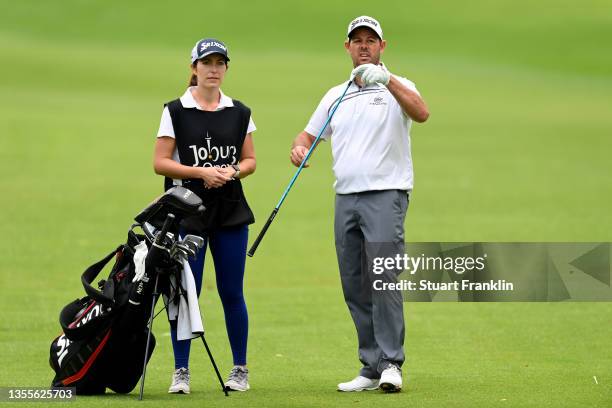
pixel 370 140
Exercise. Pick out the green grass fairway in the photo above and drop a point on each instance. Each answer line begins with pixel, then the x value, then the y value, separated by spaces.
pixel 517 149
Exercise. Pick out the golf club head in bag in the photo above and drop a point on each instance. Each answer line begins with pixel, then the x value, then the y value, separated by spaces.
pixel 186 248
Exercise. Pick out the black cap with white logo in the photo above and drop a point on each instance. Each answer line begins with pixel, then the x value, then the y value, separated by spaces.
pixel 206 47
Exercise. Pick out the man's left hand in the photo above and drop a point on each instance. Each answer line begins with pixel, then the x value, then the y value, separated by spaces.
pixel 372 74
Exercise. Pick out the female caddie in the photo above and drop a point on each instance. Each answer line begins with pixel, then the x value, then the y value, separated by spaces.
pixel 204 143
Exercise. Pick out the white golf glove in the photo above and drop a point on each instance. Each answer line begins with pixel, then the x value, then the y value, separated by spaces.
pixel 140 256
pixel 372 74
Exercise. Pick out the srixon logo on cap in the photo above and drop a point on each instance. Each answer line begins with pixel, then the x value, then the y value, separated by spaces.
pixel 363 20
pixel 205 45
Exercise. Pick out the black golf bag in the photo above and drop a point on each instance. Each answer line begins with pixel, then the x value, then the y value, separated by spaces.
pixel 104 334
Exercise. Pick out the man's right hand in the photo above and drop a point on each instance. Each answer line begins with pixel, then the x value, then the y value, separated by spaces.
pixel 213 177
pixel 297 155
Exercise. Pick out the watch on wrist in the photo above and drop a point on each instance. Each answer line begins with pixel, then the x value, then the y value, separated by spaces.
pixel 237 169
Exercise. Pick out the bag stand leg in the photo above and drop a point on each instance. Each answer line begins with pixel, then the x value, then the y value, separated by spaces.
pixel 212 360
pixel 150 325
pixel 144 366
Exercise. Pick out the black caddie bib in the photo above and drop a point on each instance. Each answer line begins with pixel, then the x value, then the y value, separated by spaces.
pixel 212 139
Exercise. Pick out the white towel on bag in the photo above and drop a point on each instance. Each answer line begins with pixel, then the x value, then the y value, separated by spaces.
pixel 187 312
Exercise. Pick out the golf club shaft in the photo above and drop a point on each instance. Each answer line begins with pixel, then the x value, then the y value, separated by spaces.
pixel 212 360
pixel 150 325
pixel 152 258
pixel 295 176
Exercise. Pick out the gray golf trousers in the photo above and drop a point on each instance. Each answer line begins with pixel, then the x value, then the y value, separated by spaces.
pixel 363 219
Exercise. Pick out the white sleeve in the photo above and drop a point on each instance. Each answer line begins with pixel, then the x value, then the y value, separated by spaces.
pixel 408 84
pixel 165 126
pixel 252 126
pixel 319 117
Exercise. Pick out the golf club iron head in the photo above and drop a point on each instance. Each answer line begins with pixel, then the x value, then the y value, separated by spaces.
pixel 194 239
pixel 187 248
pixel 179 253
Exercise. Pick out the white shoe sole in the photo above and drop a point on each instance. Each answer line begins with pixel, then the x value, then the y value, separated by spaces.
pixel 372 388
pixel 179 390
pixel 233 386
pixel 358 389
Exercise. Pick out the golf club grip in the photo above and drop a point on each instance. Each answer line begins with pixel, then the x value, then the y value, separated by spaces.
pixel 156 253
pixel 262 233
pixel 167 224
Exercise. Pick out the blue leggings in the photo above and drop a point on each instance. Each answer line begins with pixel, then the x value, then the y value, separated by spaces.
pixel 228 248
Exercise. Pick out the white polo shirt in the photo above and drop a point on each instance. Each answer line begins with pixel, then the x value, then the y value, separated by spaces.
pixel 370 138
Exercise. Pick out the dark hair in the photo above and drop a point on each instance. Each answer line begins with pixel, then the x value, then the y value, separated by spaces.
pixel 193 80
pixel 352 33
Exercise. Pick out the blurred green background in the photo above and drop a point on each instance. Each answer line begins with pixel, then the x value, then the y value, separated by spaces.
pixel 516 149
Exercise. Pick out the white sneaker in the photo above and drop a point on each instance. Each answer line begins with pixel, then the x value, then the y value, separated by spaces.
pixel 238 379
pixel 180 381
pixel 391 379
pixel 359 383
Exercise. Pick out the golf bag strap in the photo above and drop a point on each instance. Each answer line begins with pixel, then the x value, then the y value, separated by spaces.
pixel 106 297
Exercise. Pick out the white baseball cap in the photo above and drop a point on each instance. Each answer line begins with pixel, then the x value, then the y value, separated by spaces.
pixel 365 21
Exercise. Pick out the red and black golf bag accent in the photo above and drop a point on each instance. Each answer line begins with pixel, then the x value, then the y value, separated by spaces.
pixel 103 343
pixel 105 333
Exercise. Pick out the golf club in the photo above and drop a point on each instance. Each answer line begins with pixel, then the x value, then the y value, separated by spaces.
pixel 297 173
pixel 154 257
